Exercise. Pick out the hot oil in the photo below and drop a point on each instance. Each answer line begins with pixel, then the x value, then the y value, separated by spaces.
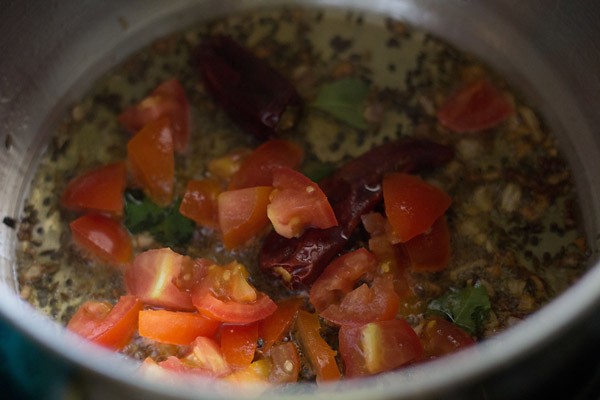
pixel 514 219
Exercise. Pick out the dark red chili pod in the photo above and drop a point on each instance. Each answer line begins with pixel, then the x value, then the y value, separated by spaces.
pixel 254 95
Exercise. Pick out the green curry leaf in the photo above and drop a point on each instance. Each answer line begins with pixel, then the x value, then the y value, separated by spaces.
pixel 141 214
pixel 166 225
pixel 468 308
pixel 345 100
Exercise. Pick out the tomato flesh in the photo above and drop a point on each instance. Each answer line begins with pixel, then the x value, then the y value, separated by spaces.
pixel 336 299
pixel 175 327
pixel 365 304
pixel 316 349
pixel 430 251
pixel 106 325
pixel 238 344
pixel 441 337
pixel 255 373
pixel 167 100
pixel 103 237
pixel 257 168
pixel 243 214
pixel 99 190
pixel 378 346
pixel 412 205
pixel 205 358
pixel 199 202
pixel 475 107
pixel 340 276
pixel 225 295
pixel 297 203
pixel 153 275
pixel 152 161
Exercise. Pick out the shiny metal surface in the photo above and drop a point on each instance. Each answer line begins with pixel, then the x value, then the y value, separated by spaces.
pixel 52 51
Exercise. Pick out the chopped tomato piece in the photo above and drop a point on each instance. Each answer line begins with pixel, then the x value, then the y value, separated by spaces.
pixel 316 349
pixel 224 294
pixel 238 344
pixel 175 327
pixel 167 100
pixel 152 161
pixel 378 346
pixel 336 299
pixel 441 337
pixel 204 358
pixel 430 251
pixel 297 203
pixel 243 214
pixel 393 259
pixel 257 169
pixel 106 325
pixel 364 304
pixel 273 328
pixel 475 107
pixel 374 223
pixel 412 205
pixel 340 276
pixel 285 363
pixel 103 237
pixel 226 166
pixel 255 373
pixel 155 274
pixel 99 190
pixel 199 202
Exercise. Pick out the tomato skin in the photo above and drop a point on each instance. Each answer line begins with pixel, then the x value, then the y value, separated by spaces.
pixel 99 190
pixel 167 100
pixel 297 203
pixel 225 295
pixel 441 337
pixel 411 204
pixel 106 325
pixel 103 237
pixel 430 251
pixel 274 327
pixel 238 344
pixel 476 106
pixel 257 168
pixel 285 363
pixel 199 202
pixel 175 327
pixel 243 214
pixel 318 352
pixel 152 277
pixel 378 346
pixel 152 161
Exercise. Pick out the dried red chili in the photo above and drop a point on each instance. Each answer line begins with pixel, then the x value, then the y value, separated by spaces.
pixel 254 95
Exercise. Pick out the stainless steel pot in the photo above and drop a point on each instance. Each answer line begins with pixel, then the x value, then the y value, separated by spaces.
pixel 51 52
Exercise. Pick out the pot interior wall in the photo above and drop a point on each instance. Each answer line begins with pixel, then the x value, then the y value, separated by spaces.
pixel 53 52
